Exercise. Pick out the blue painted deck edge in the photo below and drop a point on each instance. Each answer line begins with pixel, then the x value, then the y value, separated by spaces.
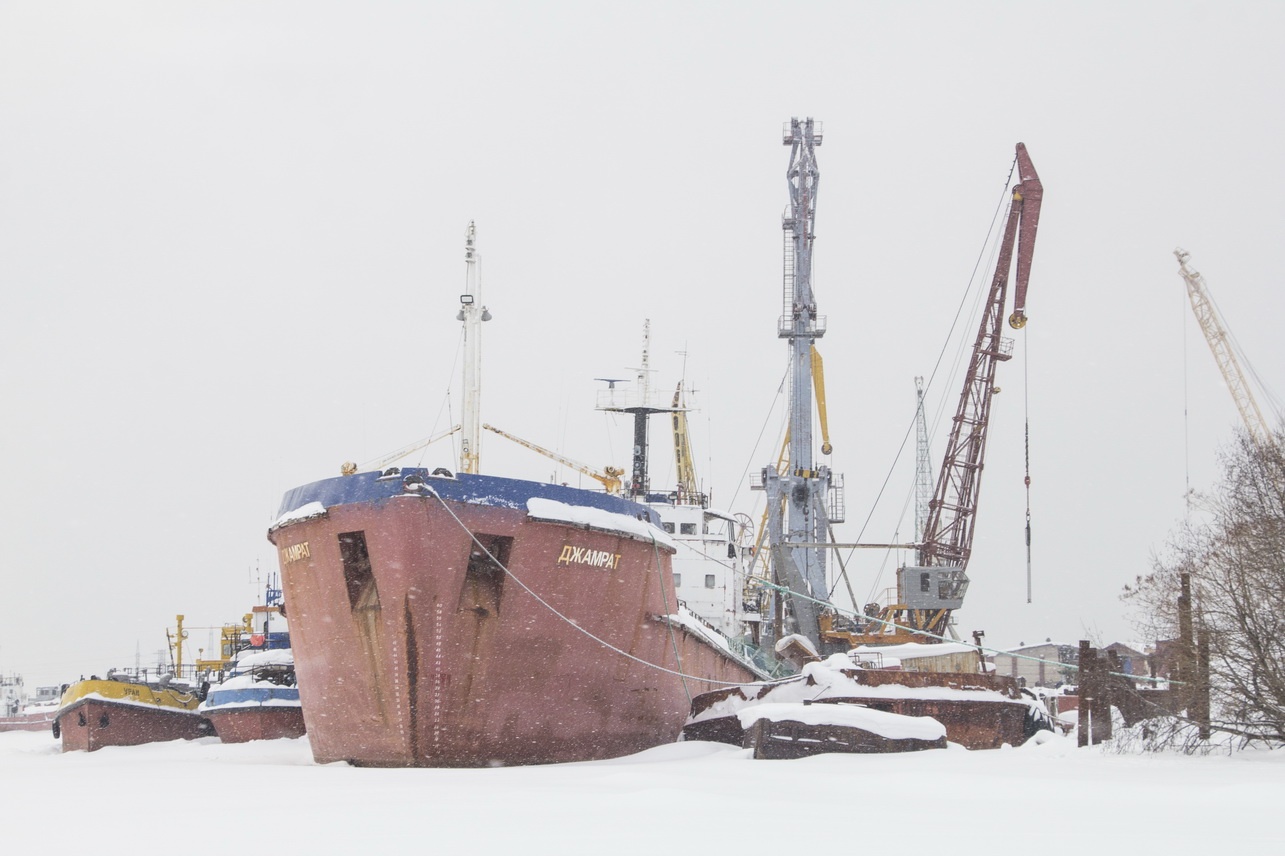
pixel 476 489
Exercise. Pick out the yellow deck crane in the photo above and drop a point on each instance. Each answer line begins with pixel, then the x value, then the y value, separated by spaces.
pixel 1224 354
pixel 782 460
pixel 687 486
pixel 609 477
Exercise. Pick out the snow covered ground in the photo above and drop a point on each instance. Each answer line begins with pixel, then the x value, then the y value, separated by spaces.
pixel 685 798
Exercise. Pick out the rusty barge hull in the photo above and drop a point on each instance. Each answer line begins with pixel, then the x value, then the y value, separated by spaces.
pixel 39 721
pixel 259 723
pixel 996 715
pixel 91 724
pixel 414 647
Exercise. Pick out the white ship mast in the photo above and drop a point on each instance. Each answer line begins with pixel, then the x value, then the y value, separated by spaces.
pixel 472 313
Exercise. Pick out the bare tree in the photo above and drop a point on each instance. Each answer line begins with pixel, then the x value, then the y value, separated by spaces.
pixel 1236 559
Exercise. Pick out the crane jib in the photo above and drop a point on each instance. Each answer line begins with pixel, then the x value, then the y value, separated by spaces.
pixel 1027 197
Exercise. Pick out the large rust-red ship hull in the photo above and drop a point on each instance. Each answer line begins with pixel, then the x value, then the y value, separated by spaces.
pixel 413 647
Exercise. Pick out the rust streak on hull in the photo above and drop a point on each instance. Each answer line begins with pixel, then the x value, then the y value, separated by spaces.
pixel 91 724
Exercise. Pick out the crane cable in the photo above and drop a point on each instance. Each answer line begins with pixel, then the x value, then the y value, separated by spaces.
pixel 778 588
pixel 430 491
pixel 1026 413
pixel 1005 197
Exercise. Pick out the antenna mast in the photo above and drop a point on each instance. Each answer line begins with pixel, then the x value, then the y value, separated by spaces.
pixel 641 406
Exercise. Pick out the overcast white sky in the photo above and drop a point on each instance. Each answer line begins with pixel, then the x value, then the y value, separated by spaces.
pixel 231 245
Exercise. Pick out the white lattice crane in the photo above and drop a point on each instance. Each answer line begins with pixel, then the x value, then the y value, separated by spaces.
pixel 1224 353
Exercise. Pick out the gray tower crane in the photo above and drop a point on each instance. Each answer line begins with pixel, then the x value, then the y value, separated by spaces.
pixel 797 532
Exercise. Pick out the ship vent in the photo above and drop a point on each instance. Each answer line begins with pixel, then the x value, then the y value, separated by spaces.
pixel 358 576
pixel 484 579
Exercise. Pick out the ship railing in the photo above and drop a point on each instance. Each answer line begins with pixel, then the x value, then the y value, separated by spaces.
pixel 744 649
pixel 188 677
pixel 274 673
pixel 813 328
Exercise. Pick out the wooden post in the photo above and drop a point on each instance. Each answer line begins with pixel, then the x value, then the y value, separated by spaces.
pixel 1201 701
pixel 1186 647
pixel 1086 691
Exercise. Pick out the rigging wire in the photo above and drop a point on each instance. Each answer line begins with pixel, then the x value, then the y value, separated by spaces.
pixel 564 618
pixel 1186 427
pixel 1244 359
pixel 1005 196
pixel 446 401
pixel 673 641
pixel 1026 412
pixel 437 420
pixel 778 588
pixel 780 390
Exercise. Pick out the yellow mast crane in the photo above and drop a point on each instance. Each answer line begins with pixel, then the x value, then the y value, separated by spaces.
pixel 782 460
pixel 687 487
pixel 818 383
pixel 176 645
pixel 1220 343
pixel 609 477
pixel 231 640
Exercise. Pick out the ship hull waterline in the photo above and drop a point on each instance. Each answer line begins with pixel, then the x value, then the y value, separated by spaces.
pixel 241 725
pixel 413 649
pixel 28 721
pixel 996 715
pixel 92 724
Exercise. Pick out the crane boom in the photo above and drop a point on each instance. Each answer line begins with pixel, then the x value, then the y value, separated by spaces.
pixel 609 477
pixel 948 535
pixel 1219 342
pixel 929 593
pixel 1030 193
pixel 413 447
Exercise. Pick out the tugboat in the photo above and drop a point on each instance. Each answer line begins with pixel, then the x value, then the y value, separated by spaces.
pixel 127 710
pixel 258 697
pixel 19 712
pixel 131 708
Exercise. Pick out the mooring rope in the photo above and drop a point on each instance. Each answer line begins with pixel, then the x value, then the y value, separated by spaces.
pixel 573 624
pixel 766 584
pixel 673 640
